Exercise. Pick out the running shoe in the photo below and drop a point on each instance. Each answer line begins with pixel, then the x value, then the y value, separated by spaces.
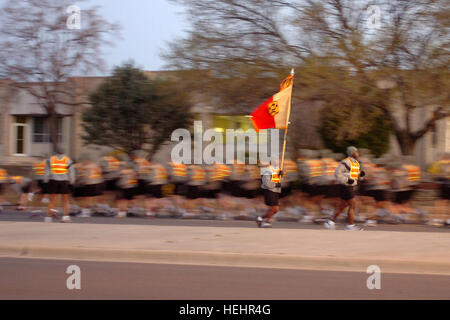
pixel 66 219
pixel 259 221
pixel 265 224
pixel 48 219
pixel 53 213
pixel 371 223
pixel 85 214
pixel 330 225
pixel 353 227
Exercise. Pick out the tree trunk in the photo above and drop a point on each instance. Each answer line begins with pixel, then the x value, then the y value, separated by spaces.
pixel 407 143
pixel 53 130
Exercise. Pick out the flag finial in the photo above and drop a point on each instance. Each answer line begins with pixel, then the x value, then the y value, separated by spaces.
pixel 292 72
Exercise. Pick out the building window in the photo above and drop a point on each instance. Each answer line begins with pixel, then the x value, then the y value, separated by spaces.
pixel 41 132
pixel 21 119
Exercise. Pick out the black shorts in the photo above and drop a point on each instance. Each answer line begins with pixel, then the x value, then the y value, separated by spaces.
pixel 271 198
pixel 58 187
pixel 157 191
pixel 331 191
pixel 143 188
pixel 210 194
pixel 193 192
pixel 403 196
pixel 26 188
pixel 127 193
pixel 250 194
pixel 347 192
pixel 379 195
pixel 93 190
pixel 181 189
pixel 286 190
pixel 445 190
pixel 111 185
pixel 363 190
pixel 236 189
pixel 313 190
pixel 42 186
pixel 78 192
pixel 307 188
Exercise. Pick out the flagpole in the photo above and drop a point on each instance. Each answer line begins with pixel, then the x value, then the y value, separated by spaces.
pixel 287 124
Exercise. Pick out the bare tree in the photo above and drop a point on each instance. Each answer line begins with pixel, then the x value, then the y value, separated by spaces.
pixel 397 63
pixel 40 44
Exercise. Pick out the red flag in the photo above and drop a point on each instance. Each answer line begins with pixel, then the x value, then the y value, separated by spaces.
pixel 274 112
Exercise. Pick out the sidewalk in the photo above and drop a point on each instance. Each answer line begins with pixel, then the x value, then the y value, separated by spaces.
pixel 396 252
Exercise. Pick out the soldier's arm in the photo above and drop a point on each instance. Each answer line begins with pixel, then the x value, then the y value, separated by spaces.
pixel 342 173
pixel 267 181
pixel 72 173
pixel 47 171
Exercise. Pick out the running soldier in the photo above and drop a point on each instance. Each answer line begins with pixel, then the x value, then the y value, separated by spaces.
pixel 329 185
pixel 290 177
pixel 110 171
pixel 60 174
pixel 405 179
pixel 271 186
pixel 127 185
pixel 237 179
pixel 157 180
pixel 143 169
pixel 378 189
pixel 38 178
pixel 348 173
pixel 92 183
pixel 195 184
pixel 311 175
pixel 215 177
pixel 177 187
pixel 22 186
pixel 251 181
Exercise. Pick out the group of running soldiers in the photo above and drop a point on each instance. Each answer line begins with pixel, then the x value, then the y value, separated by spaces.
pixel 324 185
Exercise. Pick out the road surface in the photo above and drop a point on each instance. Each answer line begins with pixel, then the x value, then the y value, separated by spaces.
pixel 46 279
pixel 9 215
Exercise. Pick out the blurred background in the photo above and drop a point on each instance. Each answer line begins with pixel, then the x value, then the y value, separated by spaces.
pixel 114 77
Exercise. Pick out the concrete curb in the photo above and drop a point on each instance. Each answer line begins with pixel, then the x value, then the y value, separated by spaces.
pixel 227 259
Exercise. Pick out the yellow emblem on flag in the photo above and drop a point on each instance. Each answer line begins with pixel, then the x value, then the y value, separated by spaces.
pixel 273 108
pixel 286 83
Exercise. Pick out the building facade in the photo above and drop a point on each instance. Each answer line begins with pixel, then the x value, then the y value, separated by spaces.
pixel 24 129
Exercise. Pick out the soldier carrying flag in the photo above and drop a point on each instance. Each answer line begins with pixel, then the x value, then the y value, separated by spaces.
pixel 274 113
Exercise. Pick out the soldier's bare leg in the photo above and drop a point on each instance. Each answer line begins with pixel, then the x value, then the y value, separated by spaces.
pixel 66 198
pixel 351 211
pixel 340 209
pixel 51 205
pixel 270 213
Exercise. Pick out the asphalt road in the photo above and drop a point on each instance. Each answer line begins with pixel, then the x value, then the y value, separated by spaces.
pixel 9 215
pixel 46 279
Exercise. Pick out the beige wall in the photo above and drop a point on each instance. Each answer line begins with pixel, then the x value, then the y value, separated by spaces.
pixel 83 86
pixel 432 145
